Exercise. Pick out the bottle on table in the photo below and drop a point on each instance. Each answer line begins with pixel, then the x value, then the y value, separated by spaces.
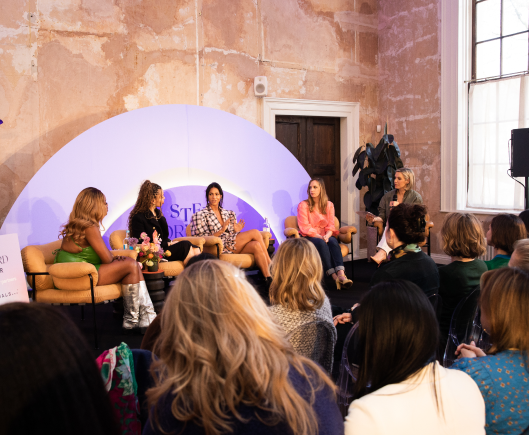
pixel 266 226
pixel 126 240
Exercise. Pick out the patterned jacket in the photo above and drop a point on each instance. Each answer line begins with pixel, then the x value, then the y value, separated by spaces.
pixel 206 223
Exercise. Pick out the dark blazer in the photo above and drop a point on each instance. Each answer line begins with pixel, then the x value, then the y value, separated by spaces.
pixel 147 223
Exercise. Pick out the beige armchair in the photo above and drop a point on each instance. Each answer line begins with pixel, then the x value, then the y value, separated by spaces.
pixel 345 237
pixel 426 244
pixel 214 245
pixel 169 268
pixel 67 283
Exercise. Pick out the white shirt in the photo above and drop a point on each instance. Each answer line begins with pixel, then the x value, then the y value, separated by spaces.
pixel 409 408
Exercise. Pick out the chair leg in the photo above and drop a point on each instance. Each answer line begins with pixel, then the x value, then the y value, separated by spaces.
pixel 82 312
pixel 34 289
pixel 93 310
pixel 429 251
pixel 352 260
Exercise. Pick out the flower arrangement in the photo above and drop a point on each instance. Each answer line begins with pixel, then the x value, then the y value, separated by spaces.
pixel 150 253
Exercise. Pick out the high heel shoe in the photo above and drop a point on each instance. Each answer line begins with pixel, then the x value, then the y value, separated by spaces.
pixel 343 281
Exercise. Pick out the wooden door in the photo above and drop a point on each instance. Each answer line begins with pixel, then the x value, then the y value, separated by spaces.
pixel 315 142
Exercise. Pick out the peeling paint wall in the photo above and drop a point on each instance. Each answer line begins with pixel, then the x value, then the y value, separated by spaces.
pixel 94 59
pixel 409 92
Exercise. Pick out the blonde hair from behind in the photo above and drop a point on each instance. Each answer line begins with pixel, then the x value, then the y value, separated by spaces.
pixel 409 176
pixel 219 337
pixel 322 203
pixel 462 236
pixel 88 210
pixel 520 256
pixel 297 273
pixel 504 300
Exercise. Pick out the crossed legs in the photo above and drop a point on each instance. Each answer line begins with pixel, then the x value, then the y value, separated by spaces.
pixel 251 242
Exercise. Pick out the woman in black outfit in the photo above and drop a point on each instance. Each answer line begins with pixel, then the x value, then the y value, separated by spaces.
pixel 147 216
pixel 405 229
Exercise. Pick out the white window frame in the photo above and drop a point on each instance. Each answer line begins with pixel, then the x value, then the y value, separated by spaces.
pixel 456 68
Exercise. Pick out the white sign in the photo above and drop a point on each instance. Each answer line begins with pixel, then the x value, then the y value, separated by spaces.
pixel 12 278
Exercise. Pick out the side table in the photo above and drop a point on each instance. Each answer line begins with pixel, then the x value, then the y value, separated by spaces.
pixel 271 248
pixel 155 285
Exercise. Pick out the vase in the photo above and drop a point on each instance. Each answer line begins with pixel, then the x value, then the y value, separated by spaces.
pixel 153 268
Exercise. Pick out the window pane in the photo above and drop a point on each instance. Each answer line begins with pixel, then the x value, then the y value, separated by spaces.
pixel 515 16
pixel 488 59
pixel 514 53
pixel 488 20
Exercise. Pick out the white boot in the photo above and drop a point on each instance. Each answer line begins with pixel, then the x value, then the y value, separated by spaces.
pixel 131 307
pixel 147 313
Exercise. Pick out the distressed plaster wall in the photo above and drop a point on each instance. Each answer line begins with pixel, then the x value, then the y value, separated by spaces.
pixel 409 92
pixel 94 59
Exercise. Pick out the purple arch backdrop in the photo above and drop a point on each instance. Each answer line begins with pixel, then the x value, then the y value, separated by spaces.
pixel 182 202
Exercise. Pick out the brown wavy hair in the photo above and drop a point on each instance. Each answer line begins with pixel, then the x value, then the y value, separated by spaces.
pixel 89 210
pixel 463 236
pixel 504 300
pixel 297 274
pixel 506 229
pixel 146 195
pixel 323 196
pixel 220 349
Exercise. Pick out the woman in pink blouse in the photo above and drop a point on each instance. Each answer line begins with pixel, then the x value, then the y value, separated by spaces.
pixel 316 223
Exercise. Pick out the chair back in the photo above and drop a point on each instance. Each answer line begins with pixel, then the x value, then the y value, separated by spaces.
pixel 38 258
pixel 478 334
pixel 315 340
pixel 188 230
pixel 116 239
pixel 461 326
pixel 348 371
pixel 437 303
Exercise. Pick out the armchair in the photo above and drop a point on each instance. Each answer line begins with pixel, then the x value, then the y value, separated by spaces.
pixel 214 245
pixel 169 268
pixel 345 236
pixel 67 283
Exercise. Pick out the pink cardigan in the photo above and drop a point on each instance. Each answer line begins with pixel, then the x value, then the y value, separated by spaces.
pixel 311 224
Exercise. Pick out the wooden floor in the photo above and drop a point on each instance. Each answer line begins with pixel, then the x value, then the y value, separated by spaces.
pixel 109 325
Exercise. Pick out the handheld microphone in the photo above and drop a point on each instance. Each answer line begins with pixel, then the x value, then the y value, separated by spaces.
pixel 395 197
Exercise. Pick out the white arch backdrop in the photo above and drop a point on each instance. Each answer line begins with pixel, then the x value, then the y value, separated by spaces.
pixel 172 145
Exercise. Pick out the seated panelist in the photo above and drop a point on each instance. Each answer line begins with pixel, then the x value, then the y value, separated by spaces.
pixel 147 217
pixel 214 220
pixel 404 184
pixel 82 242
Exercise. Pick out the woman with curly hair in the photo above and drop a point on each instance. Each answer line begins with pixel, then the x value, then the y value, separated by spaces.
pixel 225 366
pixel 82 242
pixel 147 217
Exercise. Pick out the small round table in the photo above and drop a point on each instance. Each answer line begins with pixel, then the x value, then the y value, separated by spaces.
pixel 271 247
pixel 155 285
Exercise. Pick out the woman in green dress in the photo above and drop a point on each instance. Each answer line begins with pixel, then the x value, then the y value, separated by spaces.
pixel 82 242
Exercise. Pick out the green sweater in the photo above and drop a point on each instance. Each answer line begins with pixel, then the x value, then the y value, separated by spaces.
pixel 498 261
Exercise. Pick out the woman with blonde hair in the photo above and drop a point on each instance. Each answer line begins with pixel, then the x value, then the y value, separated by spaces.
pixel 316 224
pixel 463 240
pixel 402 194
pixel 224 365
pixel 82 242
pixel 298 299
pixel 502 373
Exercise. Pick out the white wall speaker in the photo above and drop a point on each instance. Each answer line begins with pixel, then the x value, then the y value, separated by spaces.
pixel 260 86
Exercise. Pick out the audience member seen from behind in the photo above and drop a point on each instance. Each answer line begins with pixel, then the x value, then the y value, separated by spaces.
pixel 404 185
pixel 524 216
pixel 404 230
pixel 214 220
pixel 298 299
pixel 463 240
pixel 225 366
pixel 504 230
pixel 401 389
pixel 502 372
pixel 520 255
pixel 50 381
pixel 316 224
pixel 147 217
pixel 82 242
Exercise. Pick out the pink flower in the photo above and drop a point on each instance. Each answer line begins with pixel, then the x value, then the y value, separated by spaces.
pixel 141 254
pixel 144 236
pixel 141 265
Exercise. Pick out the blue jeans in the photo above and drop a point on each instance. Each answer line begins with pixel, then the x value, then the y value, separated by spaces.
pixel 330 254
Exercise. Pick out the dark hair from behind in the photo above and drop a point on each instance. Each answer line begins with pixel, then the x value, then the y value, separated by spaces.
pixel 50 381
pixel 397 335
pixel 524 216
pixel 506 229
pixel 200 257
pixel 408 222
pixel 217 186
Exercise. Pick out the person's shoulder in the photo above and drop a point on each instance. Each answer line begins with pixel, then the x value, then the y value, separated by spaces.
pixel 416 194
pixel 303 204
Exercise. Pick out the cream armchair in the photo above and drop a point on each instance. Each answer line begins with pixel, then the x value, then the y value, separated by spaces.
pixel 169 268
pixel 214 245
pixel 345 237
pixel 67 283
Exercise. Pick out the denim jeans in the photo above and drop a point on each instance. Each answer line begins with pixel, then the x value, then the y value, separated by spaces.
pixel 330 253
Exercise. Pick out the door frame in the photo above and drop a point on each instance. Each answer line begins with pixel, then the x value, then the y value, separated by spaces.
pixel 349 114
